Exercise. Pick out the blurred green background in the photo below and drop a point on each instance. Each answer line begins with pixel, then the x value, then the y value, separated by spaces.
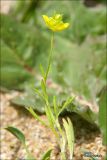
pixel 79 58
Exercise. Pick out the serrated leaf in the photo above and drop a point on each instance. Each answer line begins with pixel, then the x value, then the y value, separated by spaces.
pixel 17 133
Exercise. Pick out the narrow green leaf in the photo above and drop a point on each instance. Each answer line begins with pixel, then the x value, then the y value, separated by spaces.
pixel 38 93
pixel 16 132
pixel 69 134
pixel 47 155
pixel 20 136
pixel 55 106
pixel 42 71
pixel 43 86
pixel 59 126
pixel 67 102
pixel 30 109
pixel 50 116
pixel 51 119
pixel 63 142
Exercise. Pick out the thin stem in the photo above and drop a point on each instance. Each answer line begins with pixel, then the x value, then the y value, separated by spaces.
pixel 50 56
pixel 29 156
pixel 63 156
pixel 63 148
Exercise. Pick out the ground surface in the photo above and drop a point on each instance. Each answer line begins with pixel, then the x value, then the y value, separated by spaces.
pixel 39 138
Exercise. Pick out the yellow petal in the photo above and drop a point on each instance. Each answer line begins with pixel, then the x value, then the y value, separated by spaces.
pixel 46 19
pixel 52 22
pixel 66 25
pixel 55 23
pixel 62 26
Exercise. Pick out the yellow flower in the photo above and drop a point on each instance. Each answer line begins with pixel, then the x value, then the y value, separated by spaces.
pixel 55 23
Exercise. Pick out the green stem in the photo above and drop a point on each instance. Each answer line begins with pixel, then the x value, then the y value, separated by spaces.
pixel 63 148
pixel 29 156
pixel 50 56
pixel 63 157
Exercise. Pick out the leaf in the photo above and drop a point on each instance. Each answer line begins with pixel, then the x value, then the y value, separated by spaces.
pixel 20 52
pixel 29 98
pixel 70 135
pixel 39 93
pixel 11 70
pixel 42 71
pixel 30 109
pixel 55 106
pixel 25 14
pixel 82 61
pixel 33 97
pixel 50 116
pixel 43 87
pixel 66 103
pixel 84 111
pixel 20 136
pixel 17 133
pixel 47 155
pixel 103 114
